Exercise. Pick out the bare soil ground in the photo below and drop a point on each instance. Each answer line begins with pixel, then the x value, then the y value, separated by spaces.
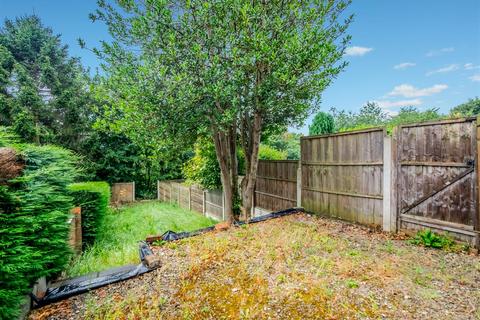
pixel 297 267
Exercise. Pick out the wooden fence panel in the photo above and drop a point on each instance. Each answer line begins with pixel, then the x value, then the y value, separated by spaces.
pixel 342 175
pixel 196 199
pixel 123 192
pixel 437 176
pixel 214 204
pixel 276 186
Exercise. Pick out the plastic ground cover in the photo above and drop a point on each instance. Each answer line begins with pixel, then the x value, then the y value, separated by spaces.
pixel 71 287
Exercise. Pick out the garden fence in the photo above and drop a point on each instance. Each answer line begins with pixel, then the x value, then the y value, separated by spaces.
pixel 421 176
pixel 123 192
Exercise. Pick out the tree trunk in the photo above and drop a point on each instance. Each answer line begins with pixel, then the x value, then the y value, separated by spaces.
pixel 251 144
pixel 225 147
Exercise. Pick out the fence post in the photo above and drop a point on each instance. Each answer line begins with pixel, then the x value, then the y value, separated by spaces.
pixel 476 215
pixel 223 205
pixel 171 196
pixel 189 198
pixel 158 190
pixel 389 183
pixel 299 184
pixel 133 192
pixel 204 208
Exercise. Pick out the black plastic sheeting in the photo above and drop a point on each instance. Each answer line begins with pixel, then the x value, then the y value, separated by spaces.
pixel 172 236
pixel 75 286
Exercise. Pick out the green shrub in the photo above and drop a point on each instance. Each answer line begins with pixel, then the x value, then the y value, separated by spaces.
pixel 94 198
pixel 266 152
pixel 34 209
pixel 203 167
pixel 430 239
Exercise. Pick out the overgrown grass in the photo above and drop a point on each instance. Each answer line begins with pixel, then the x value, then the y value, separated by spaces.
pixel 118 236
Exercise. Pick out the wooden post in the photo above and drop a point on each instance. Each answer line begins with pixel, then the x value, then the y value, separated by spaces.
pixel 171 197
pixel 299 184
pixel 133 191
pixel 158 190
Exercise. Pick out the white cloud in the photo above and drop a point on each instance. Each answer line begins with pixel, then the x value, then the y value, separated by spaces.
pixel 470 66
pixel 449 68
pixel 433 53
pixel 357 51
pixel 401 103
pixel 475 77
pixel 404 65
pixel 409 91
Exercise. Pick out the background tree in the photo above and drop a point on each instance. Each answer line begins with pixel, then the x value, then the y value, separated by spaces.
pixel 467 109
pixel 287 142
pixel 229 68
pixel 42 89
pixel 322 123
pixel 369 115
pixel 408 115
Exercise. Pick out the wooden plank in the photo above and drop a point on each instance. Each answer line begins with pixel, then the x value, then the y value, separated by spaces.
pixel 357 195
pixel 275 196
pixel 438 122
pixel 337 164
pixel 343 133
pixel 435 164
pixel 440 224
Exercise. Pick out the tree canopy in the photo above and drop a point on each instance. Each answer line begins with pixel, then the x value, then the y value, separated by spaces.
pixel 322 123
pixel 227 70
pixel 42 90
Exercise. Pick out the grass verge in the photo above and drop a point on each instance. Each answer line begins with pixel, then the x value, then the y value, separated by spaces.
pixel 118 235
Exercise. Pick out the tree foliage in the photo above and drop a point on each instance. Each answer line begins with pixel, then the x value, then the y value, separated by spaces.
pixel 467 109
pixel 287 142
pixel 369 115
pixel 43 92
pixel 227 69
pixel 322 123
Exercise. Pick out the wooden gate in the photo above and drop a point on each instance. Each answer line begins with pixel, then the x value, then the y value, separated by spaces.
pixel 436 176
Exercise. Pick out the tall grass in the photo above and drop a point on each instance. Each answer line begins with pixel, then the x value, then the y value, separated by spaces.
pixel 118 235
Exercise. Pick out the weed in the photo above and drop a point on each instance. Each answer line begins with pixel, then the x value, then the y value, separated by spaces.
pixel 430 239
pixel 158 243
pixel 352 284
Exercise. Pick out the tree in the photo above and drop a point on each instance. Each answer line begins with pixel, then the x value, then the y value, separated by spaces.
pixel 322 123
pixel 370 115
pixel 408 115
pixel 467 109
pixel 286 142
pixel 42 90
pixel 226 69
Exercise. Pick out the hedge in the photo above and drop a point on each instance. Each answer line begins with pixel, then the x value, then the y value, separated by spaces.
pixel 34 209
pixel 94 198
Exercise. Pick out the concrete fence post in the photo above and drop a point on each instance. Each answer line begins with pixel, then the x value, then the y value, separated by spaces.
pixel 299 184
pixel 204 204
pixel 389 186
pixel 190 198
pixel 223 205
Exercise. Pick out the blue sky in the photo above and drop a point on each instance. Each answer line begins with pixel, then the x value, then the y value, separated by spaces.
pixel 410 52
